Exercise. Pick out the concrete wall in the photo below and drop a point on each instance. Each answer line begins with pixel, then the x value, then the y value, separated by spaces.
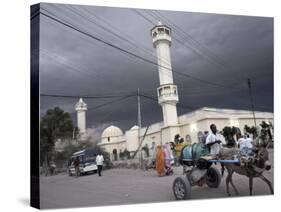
pixel 132 140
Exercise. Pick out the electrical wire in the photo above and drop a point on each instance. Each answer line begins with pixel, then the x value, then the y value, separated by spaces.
pixel 130 53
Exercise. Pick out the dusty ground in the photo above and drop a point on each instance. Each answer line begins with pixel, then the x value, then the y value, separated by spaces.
pixel 126 186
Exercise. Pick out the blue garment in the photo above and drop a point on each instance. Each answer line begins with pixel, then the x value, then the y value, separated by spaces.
pixel 246 151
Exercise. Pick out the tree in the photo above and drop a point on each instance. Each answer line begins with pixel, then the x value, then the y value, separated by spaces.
pixel 55 124
pixel 251 130
pixel 229 133
pixel 178 139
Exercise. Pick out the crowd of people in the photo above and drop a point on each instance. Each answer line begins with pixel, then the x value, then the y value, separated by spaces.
pixel 213 139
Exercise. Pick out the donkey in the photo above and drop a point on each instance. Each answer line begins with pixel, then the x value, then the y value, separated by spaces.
pixel 254 168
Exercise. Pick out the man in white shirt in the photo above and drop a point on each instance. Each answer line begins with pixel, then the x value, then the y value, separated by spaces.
pixel 214 140
pixel 99 161
pixel 249 140
pixel 246 145
pixel 240 140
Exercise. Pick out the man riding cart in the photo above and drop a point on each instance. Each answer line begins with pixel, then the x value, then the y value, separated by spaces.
pixel 200 158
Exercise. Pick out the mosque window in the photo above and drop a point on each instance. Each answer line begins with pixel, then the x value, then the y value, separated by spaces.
pixel 154 34
pixel 108 139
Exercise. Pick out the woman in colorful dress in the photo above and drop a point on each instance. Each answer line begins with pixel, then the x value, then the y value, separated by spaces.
pixel 168 159
pixel 160 161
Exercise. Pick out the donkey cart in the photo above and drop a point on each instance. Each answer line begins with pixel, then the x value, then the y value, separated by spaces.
pixel 197 171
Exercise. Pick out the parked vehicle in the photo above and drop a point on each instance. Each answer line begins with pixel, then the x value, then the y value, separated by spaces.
pixel 87 162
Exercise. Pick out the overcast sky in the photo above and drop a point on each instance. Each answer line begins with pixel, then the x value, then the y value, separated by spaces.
pixel 220 49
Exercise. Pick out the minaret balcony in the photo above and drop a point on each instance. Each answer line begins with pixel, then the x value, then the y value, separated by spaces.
pixel 167 93
pixel 81 108
pixel 161 33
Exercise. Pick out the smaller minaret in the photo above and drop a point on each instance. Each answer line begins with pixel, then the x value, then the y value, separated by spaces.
pixel 81 108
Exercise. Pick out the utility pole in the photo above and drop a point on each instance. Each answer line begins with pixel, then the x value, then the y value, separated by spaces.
pixel 252 101
pixel 139 109
pixel 139 124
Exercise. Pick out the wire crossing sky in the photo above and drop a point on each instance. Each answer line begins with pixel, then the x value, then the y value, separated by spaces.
pixel 105 54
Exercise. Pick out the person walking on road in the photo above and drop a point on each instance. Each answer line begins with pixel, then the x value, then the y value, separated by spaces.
pixel 160 161
pixel 168 159
pixel 76 166
pixel 99 161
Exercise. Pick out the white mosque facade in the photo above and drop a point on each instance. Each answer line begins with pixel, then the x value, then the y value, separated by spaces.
pixel 190 126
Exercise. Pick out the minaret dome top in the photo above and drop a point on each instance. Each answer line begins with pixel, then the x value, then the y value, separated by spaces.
pixel 81 105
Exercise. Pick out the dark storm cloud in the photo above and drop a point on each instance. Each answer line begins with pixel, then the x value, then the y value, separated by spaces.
pixel 238 47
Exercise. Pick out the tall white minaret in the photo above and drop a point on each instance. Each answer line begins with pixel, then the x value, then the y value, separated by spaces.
pixel 81 108
pixel 167 91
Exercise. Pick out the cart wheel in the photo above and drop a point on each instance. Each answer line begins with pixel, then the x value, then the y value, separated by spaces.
pixel 213 178
pixel 181 188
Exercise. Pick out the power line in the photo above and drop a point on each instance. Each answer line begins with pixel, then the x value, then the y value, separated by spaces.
pixel 213 58
pixel 109 114
pixel 194 46
pixel 187 37
pixel 110 102
pixel 59 60
pixel 114 45
pixel 128 52
pixel 125 38
pixel 178 105
pixel 140 14
pixel 82 96
pixel 116 35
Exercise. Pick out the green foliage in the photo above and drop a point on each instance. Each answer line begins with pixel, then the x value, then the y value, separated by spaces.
pixel 55 124
pixel 251 130
pixel 229 133
pixel 264 125
pixel 178 140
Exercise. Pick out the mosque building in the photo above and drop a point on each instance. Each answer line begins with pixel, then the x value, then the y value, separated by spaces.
pixel 190 126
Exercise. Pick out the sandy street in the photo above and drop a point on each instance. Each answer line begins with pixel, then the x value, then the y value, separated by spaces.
pixel 128 186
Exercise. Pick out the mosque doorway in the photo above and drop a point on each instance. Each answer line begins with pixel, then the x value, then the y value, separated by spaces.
pixel 114 152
